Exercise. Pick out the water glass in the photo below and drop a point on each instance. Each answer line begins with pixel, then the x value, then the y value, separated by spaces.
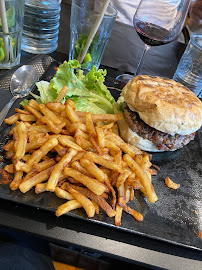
pixel 83 18
pixel 189 70
pixel 11 24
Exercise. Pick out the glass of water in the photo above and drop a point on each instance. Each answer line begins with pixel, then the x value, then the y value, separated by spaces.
pixel 189 70
pixel 83 18
pixel 11 24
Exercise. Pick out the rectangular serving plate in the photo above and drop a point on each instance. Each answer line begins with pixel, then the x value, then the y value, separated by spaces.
pixel 177 215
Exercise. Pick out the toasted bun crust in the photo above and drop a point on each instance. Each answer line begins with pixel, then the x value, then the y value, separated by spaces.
pixel 164 104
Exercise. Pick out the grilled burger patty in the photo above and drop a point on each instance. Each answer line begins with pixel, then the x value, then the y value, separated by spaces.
pixel 162 140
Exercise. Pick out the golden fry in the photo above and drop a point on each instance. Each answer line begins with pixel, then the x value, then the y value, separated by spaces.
pixel 100 136
pixel 55 175
pixel 33 145
pixel 9 168
pixel 118 215
pixel 125 147
pixel 93 169
pixel 108 126
pixel 85 144
pixel 55 128
pixel 16 181
pixel 89 125
pixel 33 111
pixel 78 156
pixel 96 205
pixel 41 187
pixel 42 151
pixel 80 133
pixel 93 184
pixel 77 166
pixel 9 146
pixel 104 162
pixel 146 164
pixel 73 117
pixel 99 199
pixel 34 104
pixel 83 200
pixel 67 207
pixel 39 167
pixel 64 140
pixel 36 179
pixel 169 183
pixel 12 119
pixel 63 194
pixel 51 115
pixel 61 150
pixel 107 117
pixel 75 126
pixel 21 166
pixel 40 128
pixel 27 117
pixel 132 212
pixel 122 178
pixel 56 107
pixel 62 94
pixel 22 111
pixel 71 104
pixel 146 182
pixel 96 146
pixel 118 158
pixel 22 141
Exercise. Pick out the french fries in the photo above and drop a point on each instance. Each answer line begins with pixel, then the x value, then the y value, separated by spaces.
pixel 54 177
pixel 62 94
pixel 21 140
pixel 83 200
pixel 91 183
pixel 143 176
pixel 78 156
pixel 67 207
pixel 169 183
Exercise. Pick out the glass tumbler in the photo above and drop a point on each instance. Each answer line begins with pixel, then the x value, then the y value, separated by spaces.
pixel 189 70
pixel 11 25
pixel 83 18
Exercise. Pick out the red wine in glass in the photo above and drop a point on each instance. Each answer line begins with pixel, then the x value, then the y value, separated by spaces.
pixel 151 34
pixel 157 22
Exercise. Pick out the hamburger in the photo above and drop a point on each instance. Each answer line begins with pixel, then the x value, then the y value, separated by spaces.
pixel 159 114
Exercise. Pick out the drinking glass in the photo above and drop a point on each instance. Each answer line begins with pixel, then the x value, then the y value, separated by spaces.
pixel 11 25
pixel 157 22
pixel 83 19
pixel 189 70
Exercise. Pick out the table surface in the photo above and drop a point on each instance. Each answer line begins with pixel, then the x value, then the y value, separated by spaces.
pixel 68 230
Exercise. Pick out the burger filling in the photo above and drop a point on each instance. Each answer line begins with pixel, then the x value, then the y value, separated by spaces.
pixel 162 140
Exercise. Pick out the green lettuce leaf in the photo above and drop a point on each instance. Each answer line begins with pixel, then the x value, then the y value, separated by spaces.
pixel 10 15
pixel 46 94
pixel 86 106
pixel 24 102
pixel 88 92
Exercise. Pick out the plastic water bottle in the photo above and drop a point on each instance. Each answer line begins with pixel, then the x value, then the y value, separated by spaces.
pixel 41 26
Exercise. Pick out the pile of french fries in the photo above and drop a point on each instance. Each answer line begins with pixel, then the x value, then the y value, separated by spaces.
pixel 78 156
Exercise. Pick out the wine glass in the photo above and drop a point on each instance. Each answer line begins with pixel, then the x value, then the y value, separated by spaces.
pixel 157 22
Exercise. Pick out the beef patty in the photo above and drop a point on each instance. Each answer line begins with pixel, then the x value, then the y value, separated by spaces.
pixel 162 140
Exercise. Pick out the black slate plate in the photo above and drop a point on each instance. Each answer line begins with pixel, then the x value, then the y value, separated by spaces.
pixel 177 215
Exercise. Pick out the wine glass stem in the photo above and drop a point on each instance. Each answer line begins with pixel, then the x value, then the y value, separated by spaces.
pixel 146 48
